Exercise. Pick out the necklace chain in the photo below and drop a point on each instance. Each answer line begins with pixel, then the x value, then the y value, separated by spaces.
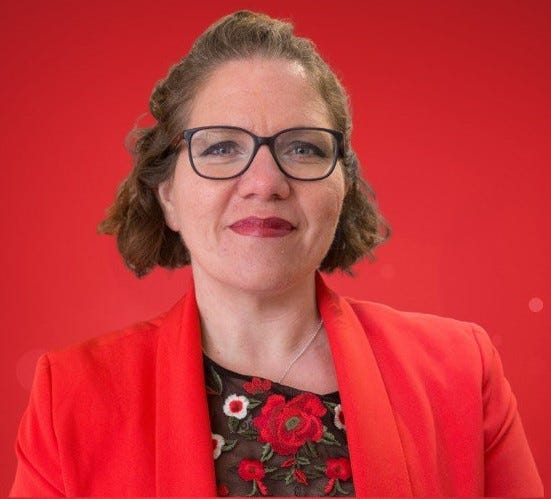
pixel 302 350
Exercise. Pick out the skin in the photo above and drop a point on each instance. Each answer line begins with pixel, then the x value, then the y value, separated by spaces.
pixel 256 295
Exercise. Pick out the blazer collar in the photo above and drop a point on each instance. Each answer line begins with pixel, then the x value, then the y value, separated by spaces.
pixel 376 454
pixel 184 457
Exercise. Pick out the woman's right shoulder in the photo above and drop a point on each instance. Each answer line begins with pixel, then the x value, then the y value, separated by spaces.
pixel 111 354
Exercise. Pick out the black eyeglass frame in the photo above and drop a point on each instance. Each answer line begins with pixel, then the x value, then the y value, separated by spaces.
pixel 269 141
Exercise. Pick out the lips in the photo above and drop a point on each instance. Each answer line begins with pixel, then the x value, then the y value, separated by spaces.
pixel 263 227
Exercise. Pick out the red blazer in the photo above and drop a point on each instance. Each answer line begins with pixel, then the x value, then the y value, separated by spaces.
pixel 428 410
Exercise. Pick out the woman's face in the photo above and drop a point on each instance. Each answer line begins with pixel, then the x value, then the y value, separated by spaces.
pixel 261 231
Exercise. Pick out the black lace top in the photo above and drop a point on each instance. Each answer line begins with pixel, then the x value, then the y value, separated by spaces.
pixel 273 440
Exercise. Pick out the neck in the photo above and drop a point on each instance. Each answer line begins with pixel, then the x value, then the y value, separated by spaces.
pixel 255 332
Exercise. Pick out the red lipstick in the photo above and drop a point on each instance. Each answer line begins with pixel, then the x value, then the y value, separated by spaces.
pixel 262 227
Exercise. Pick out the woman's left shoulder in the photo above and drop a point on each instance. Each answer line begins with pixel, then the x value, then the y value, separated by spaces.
pixel 423 334
pixel 446 371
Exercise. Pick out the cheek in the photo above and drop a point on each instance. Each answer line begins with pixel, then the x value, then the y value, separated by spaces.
pixel 192 211
pixel 326 209
pixel 334 197
pixel 200 205
pixel 329 216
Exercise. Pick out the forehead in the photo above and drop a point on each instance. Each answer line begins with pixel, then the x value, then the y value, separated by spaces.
pixel 260 94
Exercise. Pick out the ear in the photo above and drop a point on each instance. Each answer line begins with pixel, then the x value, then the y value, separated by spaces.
pixel 165 198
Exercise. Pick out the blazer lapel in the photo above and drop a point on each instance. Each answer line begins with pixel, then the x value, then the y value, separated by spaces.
pixel 184 460
pixel 376 453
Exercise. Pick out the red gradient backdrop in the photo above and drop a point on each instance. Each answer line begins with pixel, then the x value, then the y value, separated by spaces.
pixel 452 109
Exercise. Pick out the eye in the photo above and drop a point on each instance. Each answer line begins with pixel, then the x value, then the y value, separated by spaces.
pixel 226 148
pixel 305 149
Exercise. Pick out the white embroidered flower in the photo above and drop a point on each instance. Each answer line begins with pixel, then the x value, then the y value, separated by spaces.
pixel 339 418
pixel 236 406
pixel 217 444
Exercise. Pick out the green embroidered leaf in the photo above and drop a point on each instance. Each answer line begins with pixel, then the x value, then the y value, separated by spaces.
pixel 254 403
pixel 254 492
pixel 217 381
pixel 328 438
pixel 289 478
pixel 269 470
pixel 229 445
pixel 339 489
pixel 320 468
pixel 233 424
pixel 329 442
pixel 311 449
pixel 330 405
pixel 303 461
pixel 267 453
pixel 279 474
pixel 248 434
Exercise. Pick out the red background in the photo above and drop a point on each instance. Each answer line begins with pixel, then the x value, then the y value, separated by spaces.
pixel 452 109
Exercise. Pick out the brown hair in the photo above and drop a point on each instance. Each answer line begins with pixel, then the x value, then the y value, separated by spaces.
pixel 136 218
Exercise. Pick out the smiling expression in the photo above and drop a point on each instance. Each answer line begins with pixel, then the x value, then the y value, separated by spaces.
pixel 262 230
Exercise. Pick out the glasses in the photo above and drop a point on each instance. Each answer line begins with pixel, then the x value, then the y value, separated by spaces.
pixel 223 152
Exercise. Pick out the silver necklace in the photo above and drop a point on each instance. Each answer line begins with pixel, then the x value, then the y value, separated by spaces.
pixel 302 350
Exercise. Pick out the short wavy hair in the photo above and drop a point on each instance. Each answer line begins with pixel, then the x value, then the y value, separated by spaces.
pixel 136 218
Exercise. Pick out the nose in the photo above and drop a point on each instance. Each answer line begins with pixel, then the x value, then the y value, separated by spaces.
pixel 263 178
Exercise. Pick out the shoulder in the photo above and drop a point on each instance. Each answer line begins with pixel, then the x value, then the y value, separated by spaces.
pixel 119 357
pixel 444 378
pixel 448 365
pixel 424 340
pixel 414 325
pixel 115 345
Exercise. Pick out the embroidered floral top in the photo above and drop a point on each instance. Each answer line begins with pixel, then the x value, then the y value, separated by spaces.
pixel 273 440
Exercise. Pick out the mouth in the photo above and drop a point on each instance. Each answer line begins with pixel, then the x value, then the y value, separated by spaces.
pixel 263 227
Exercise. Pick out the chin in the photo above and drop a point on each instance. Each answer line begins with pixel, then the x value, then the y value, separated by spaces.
pixel 266 279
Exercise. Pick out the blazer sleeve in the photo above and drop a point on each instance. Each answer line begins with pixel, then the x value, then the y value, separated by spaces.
pixel 510 469
pixel 38 466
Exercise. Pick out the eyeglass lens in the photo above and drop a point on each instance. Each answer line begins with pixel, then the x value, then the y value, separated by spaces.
pixel 226 152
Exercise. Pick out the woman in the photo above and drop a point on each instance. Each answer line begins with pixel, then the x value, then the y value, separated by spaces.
pixel 261 380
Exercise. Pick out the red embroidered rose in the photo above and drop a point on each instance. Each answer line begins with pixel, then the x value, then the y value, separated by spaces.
pixel 257 385
pixel 337 469
pixel 287 426
pixel 252 470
